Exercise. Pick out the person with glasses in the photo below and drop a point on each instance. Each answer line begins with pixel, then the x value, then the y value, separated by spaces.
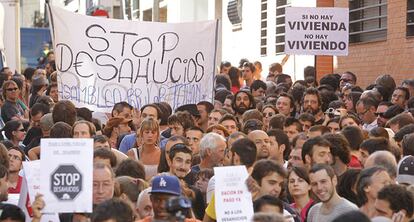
pixel 381 109
pixel 12 108
pixel 15 132
pixel 16 157
pixel 365 109
pixel 268 112
pixel 347 77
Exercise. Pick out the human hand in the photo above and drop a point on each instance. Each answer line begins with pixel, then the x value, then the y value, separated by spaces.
pixel 342 112
pixel 37 206
pixel 398 217
pixel 253 187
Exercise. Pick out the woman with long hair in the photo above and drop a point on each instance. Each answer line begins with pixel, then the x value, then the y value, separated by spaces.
pixel 147 150
pixel 15 132
pixel 299 188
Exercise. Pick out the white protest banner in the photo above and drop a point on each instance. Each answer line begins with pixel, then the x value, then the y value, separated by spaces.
pixel 31 187
pixel 66 175
pixel 32 175
pixel 232 199
pixel 316 31
pixel 104 61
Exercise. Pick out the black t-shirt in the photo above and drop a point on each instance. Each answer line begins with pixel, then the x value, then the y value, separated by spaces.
pixel 198 203
pixel 9 110
pixel 33 99
pixel 32 134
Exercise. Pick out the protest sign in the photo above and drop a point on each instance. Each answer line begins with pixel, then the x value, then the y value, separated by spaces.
pixel 31 187
pixel 316 31
pixel 66 175
pixel 232 199
pixel 104 61
pixel 32 176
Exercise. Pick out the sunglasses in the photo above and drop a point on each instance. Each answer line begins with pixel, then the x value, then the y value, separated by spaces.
pixel 21 130
pixel 12 89
pixel 267 114
pixel 379 114
pixel 346 80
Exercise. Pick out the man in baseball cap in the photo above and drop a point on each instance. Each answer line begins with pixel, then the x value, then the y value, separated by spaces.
pixel 164 187
pixel 405 170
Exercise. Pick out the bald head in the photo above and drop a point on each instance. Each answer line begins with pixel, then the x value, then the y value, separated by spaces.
pixel 384 159
pixel 262 142
pixel 255 133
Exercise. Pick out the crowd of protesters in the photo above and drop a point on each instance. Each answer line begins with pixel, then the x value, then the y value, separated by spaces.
pixel 316 151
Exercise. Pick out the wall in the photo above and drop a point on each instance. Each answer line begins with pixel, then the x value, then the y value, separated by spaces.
pixel 393 56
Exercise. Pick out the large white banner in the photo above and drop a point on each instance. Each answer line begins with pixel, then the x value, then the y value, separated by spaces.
pixel 316 31
pixel 104 61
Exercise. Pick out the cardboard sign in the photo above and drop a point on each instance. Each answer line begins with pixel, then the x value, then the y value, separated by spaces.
pixel 316 31
pixel 66 175
pixel 101 62
pixel 232 198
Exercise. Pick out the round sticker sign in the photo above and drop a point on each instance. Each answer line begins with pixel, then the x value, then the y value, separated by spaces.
pixel 66 182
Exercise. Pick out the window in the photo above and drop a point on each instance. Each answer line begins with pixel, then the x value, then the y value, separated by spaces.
pixel 234 12
pixel 263 28
pixel 131 9
pixel 367 20
pixel 281 5
pixel 410 18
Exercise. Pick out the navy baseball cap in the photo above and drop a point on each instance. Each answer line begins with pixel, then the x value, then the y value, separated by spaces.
pixel 166 184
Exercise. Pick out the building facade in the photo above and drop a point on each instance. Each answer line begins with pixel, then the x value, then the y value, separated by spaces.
pixel 381 31
pixel 381 39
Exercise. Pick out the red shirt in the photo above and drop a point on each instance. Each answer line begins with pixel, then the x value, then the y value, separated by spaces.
pixel 18 186
pixel 354 163
pixel 304 210
pixel 235 89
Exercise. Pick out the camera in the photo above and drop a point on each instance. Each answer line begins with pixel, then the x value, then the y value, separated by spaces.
pixel 179 208
pixel 332 112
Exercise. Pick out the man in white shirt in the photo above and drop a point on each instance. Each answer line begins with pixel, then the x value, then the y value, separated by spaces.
pixel 323 182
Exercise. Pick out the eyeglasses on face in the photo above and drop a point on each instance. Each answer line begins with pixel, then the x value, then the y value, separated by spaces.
pixel 345 80
pixel 12 89
pixel 268 114
pixel 363 113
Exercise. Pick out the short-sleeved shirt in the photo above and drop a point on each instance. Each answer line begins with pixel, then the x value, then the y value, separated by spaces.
pixel 10 110
pixel 344 206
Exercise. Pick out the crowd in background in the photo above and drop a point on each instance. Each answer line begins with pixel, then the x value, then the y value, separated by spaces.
pixel 315 150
